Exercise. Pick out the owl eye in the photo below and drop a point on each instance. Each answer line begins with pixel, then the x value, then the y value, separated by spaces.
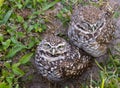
pixel 84 26
pixel 61 47
pixel 47 46
pixel 80 27
pixel 99 24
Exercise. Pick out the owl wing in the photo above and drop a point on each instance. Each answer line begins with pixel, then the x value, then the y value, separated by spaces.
pixel 107 33
pixel 76 64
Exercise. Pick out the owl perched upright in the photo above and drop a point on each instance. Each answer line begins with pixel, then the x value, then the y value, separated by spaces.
pixel 91 29
pixel 58 60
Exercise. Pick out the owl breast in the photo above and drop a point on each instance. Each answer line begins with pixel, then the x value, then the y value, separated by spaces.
pixel 64 66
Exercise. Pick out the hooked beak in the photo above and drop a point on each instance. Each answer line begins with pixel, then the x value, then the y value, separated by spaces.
pixel 53 51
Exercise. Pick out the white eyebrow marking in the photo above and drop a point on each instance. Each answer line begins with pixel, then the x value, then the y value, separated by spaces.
pixel 61 44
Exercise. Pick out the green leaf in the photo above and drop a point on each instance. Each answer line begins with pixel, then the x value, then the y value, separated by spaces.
pixel 17 86
pixel 40 1
pixel 20 19
pixel 1 22
pixel 10 80
pixel 25 25
pixel 30 28
pixel 34 3
pixel 20 34
pixel 1 2
pixel 14 40
pixel 116 14
pixel 1 37
pixel 7 65
pixel 50 5
pixel 7 16
pixel 44 27
pixel 4 85
pixel 6 44
pixel 26 58
pixel 39 30
pixel 5 73
pixel 16 69
pixel 103 83
pixel 99 65
pixel 31 43
pixel 14 50
pixel 19 6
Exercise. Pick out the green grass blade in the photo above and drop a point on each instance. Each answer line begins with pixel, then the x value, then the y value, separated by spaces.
pixel 14 50
pixel 50 5
pixel 7 16
pixel 26 58
pixel 103 82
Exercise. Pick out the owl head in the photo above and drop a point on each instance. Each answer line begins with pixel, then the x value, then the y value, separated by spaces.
pixel 53 45
pixel 89 19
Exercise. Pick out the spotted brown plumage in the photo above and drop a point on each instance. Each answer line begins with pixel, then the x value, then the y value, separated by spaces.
pixel 58 60
pixel 91 29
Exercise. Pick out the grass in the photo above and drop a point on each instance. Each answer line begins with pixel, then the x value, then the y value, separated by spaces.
pixel 109 74
pixel 22 23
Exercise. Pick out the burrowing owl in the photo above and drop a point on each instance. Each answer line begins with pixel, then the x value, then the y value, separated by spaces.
pixel 57 60
pixel 91 29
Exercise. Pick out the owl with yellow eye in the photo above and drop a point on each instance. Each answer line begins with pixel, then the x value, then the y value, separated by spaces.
pixel 91 29
pixel 57 60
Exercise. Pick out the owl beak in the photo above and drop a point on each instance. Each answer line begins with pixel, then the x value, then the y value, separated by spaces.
pixel 53 51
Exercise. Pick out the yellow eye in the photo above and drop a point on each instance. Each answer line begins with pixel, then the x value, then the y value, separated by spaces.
pixel 61 47
pixel 47 46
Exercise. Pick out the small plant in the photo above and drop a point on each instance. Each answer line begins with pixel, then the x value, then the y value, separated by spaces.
pixel 109 74
pixel 12 72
